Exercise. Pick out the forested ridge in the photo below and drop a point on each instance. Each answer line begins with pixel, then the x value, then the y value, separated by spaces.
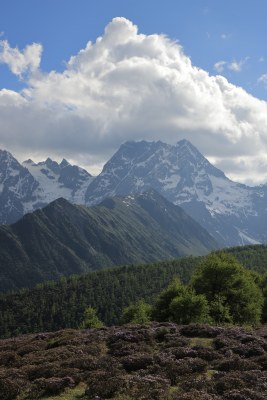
pixel 56 305
pixel 65 239
pixel 252 256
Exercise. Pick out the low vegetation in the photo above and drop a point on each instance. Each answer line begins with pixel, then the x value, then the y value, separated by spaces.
pixel 156 361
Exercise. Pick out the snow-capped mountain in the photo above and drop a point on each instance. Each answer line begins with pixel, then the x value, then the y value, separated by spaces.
pixel 26 187
pixel 60 180
pixel 18 189
pixel 233 213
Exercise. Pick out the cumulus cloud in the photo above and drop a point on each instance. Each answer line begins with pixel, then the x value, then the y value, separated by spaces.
pixel 20 62
pixel 130 86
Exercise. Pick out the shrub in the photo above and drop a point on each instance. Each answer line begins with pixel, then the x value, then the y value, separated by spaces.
pixel 136 362
pixel 91 320
pixel 236 364
pixel 161 311
pixel 139 313
pixel 146 387
pixel 189 308
pixel 104 383
pixel 8 389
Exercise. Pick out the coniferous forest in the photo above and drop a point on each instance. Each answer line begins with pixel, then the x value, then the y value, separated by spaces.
pixel 58 305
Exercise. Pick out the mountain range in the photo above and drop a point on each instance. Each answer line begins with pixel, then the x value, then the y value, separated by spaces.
pixel 64 239
pixel 233 213
pixel 28 186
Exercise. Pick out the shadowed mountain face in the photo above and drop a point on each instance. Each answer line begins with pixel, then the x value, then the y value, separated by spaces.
pixel 64 239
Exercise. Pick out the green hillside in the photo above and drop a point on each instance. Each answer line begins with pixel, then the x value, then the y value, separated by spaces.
pixel 56 305
pixel 64 239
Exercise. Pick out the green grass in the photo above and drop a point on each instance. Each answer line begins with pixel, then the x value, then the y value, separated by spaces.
pixel 204 342
pixel 69 394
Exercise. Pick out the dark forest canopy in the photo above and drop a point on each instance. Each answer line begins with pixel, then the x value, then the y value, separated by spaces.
pixel 56 305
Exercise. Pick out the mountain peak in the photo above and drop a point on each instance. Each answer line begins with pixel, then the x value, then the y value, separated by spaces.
pixel 29 161
pixel 5 155
pixel 49 161
pixel 64 163
pixel 186 146
pixel 183 142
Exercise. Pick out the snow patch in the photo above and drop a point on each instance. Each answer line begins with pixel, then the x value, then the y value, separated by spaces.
pixel 247 239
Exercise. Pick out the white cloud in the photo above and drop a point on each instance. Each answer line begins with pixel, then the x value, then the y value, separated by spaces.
pixel 18 61
pixel 130 86
pixel 236 66
pixel 219 66
pixel 263 79
pixel 233 66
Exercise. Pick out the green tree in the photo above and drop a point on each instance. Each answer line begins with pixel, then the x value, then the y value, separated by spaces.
pixel 221 278
pixel 190 307
pixel 90 320
pixel 139 313
pixel 220 311
pixel 161 311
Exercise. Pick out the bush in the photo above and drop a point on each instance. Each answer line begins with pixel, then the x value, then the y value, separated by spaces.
pixel 104 384
pixel 53 386
pixel 8 389
pixel 189 308
pixel 139 313
pixel 244 394
pixel 136 362
pixel 161 311
pixel 91 320
pixel 236 364
pixel 146 387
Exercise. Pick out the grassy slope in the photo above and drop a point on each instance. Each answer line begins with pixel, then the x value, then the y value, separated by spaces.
pixel 63 239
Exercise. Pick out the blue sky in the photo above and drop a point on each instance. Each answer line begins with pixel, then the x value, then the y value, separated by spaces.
pixel 209 31
pixel 63 98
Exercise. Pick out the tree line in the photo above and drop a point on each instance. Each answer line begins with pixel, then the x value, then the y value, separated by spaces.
pixel 220 291
pixel 57 305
